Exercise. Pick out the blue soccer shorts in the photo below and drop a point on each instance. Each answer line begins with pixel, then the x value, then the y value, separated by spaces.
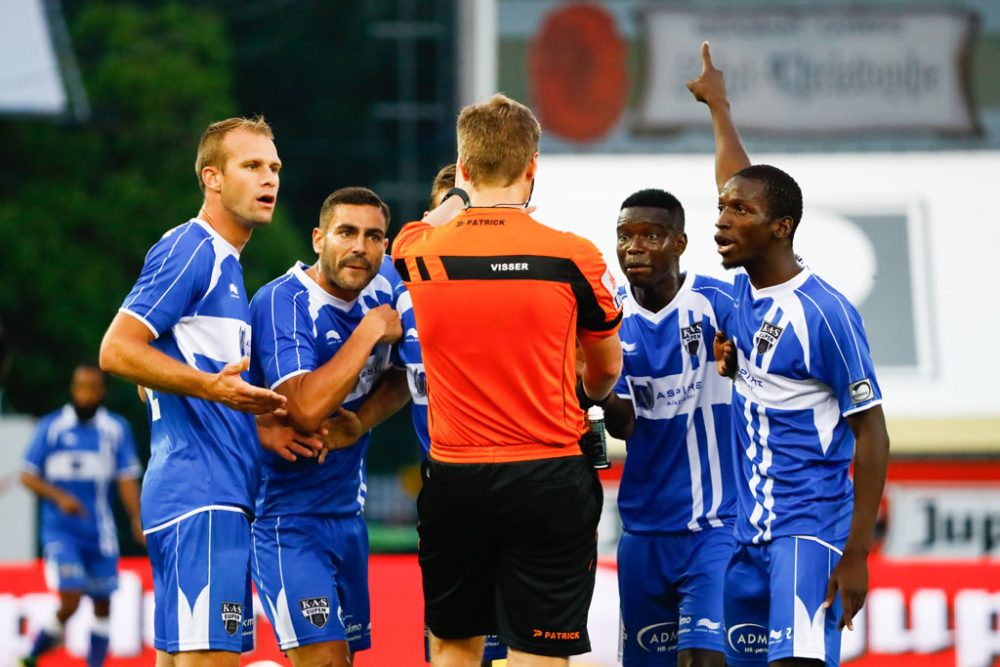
pixel 71 565
pixel 201 582
pixel 312 576
pixel 670 587
pixel 774 602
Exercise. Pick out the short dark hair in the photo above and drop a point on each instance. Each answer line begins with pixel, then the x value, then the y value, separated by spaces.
pixel 355 196
pixel 444 181
pixel 784 196
pixel 656 198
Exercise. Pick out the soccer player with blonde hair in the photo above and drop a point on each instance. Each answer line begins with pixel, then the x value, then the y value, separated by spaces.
pixel 183 334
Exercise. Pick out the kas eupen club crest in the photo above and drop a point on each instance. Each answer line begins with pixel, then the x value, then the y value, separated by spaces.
pixel 232 616
pixel 767 337
pixel 316 610
pixel 691 337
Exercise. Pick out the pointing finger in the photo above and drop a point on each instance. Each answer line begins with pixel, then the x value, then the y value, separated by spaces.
pixel 706 58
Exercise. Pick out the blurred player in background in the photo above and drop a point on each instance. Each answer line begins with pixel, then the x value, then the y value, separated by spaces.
pixel 805 401
pixel 677 494
pixel 509 506
pixel 76 455
pixel 183 333
pixel 323 335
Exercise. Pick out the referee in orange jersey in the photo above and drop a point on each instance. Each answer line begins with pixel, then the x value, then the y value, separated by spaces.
pixel 509 505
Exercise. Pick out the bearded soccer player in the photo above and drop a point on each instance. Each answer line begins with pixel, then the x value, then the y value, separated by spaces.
pixel 805 402
pixel 323 342
pixel 183 333
pixel 509 505
pixel 77 453
pixel 677 494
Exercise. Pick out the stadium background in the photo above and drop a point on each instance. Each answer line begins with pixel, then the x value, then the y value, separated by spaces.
pixel 888 113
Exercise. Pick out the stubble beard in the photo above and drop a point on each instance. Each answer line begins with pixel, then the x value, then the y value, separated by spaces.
pixel 333 274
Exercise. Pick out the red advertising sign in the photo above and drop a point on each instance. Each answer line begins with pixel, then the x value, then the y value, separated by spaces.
pixel 397 618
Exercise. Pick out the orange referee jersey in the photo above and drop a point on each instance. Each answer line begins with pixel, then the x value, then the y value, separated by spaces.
pixel 499 300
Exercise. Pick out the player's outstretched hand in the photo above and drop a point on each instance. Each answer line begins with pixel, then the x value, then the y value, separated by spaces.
pixel 850 578
pixel 710 86
pixel 69 504
pixel 277 435
pixel 342 430
pixel 228 388
pixel 386 322
pixel 725 355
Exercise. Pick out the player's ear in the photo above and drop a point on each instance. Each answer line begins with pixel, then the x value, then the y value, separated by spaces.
pixel 681 243
pixel 532 170
pixel 783 227
pixel 461 175
pixel 317 239
pixel 211 177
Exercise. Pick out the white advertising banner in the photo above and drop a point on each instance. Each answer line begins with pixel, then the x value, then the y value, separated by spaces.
pixel 813 72
pixel 937 521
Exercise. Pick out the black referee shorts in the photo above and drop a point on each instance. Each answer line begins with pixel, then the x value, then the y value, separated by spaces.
pixel 511 549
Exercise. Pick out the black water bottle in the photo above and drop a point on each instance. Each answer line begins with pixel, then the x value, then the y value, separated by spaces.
pixel 594 441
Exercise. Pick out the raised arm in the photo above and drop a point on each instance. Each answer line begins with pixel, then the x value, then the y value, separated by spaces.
pixel 315 395
pixel 127 353
pixel 710 88
pixel 871 458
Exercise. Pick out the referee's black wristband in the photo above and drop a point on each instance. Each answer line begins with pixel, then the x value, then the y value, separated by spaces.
pixel 461 193
pixel 586 402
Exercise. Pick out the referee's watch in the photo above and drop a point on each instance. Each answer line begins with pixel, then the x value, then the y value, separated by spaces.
pixel 461 193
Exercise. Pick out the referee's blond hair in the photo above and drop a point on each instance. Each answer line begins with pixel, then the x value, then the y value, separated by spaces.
pixel 496 140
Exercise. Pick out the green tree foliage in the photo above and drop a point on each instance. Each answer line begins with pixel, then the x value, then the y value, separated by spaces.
pixel 81 205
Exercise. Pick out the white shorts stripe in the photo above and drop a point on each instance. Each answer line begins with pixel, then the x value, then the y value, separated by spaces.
pixel 198 510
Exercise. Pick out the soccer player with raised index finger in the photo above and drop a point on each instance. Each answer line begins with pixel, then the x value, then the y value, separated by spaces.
pixel 806 404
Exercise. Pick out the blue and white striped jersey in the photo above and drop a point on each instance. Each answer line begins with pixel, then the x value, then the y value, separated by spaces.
pixel 678 473
pixel 300 326
pixel 407 355
pixel 190 294
pixel 804 365
pixel 83 459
